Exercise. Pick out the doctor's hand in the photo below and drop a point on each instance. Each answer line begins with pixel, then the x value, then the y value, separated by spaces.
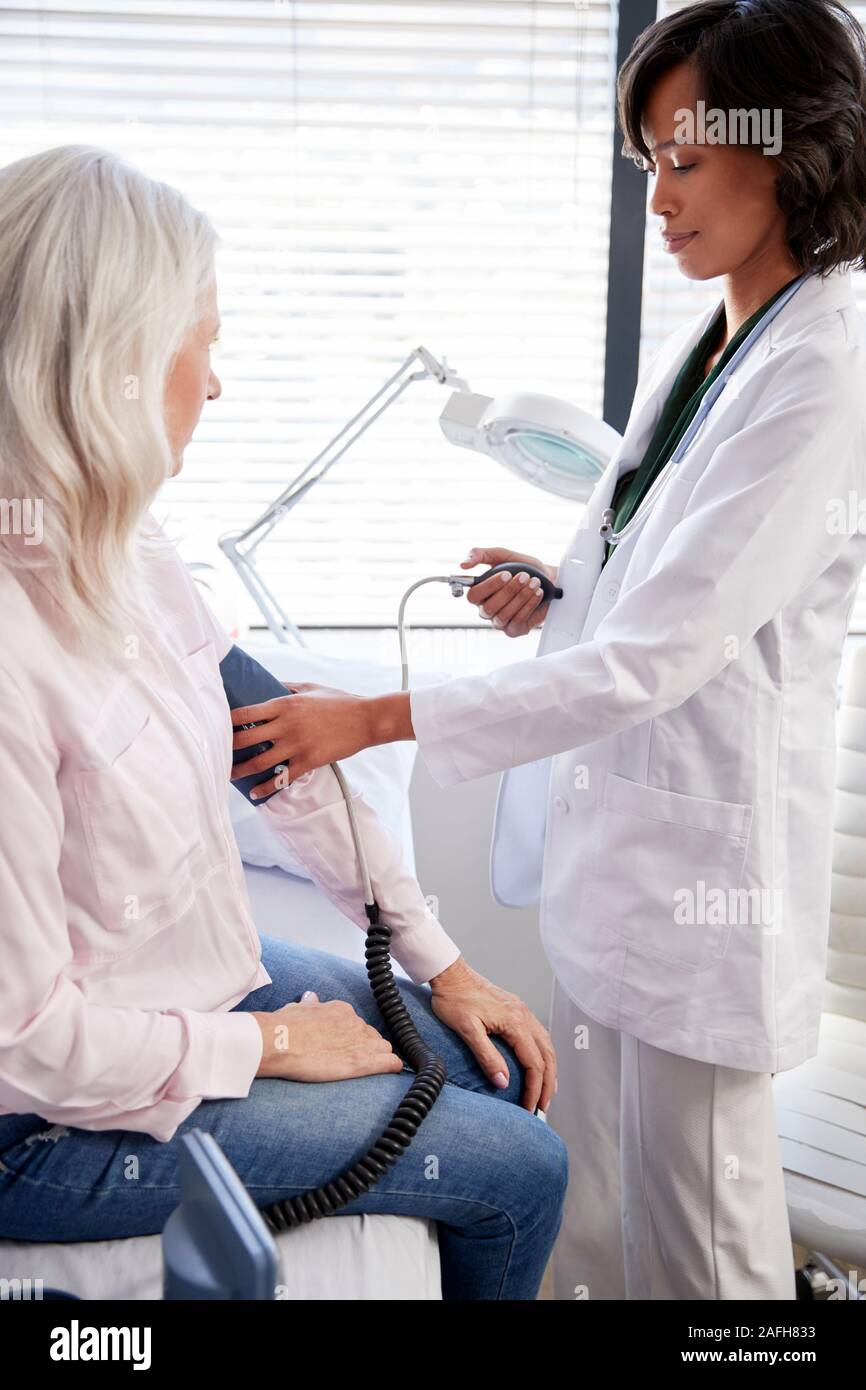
pixel 473 1007
pixel 316 725
pixel 514 606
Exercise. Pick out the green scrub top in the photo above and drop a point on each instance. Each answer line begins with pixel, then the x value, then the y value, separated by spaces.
pixel 686 395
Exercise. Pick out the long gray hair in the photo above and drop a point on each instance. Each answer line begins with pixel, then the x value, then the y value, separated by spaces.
pixel 102 273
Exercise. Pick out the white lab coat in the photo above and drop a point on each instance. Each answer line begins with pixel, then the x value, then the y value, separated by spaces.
pixel 677 724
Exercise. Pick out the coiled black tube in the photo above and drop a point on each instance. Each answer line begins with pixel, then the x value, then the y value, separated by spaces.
pixel 401 1129
pixel 247 682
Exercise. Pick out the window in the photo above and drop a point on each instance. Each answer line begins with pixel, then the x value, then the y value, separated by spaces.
pixel 381 175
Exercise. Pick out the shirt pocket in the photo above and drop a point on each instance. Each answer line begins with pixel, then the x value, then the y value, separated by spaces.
pixel 658 861
pixel 140 816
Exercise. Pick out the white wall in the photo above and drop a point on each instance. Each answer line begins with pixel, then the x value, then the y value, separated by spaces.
pixel 451 827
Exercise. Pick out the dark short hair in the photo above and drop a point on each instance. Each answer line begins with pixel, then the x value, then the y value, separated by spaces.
pixel 806 58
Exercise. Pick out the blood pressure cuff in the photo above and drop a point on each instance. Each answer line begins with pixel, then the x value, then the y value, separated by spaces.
pixel 246 682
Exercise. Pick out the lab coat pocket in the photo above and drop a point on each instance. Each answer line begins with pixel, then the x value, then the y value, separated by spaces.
pixel 666 869
pixel 140 820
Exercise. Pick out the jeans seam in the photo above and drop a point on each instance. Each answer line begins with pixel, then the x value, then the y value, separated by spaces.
pixel 250 1187
pixel 89 1191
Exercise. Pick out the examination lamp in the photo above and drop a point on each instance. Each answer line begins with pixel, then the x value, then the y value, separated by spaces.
pixel 547 442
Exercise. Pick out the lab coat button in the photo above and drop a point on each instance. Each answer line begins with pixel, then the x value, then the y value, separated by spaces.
pixel 611 592
pixel 561 804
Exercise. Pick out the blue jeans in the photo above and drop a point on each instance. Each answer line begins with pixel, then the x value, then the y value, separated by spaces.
pixel 491 1175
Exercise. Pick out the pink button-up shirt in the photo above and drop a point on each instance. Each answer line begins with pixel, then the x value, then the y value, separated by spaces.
pixel 126 934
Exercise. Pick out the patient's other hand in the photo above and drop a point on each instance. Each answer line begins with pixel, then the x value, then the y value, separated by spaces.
pixel 474 1007
pixel 311 1041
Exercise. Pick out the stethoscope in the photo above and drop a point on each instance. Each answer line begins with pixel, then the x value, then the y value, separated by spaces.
pixel 709 400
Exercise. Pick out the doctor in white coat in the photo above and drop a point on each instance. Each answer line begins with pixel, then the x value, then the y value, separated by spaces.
pixel 671 746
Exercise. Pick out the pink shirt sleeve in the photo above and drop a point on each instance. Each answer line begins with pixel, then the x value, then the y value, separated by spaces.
pixel 62 1057
pixel 311 816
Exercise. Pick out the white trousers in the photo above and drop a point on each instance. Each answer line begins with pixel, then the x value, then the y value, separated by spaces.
pixel 675 1188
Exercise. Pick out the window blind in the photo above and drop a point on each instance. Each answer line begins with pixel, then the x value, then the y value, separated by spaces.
pixel 669 299
pixel 382 175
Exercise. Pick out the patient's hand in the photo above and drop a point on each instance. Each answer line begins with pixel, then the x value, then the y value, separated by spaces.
pixel 311 1041
pixel 473 1007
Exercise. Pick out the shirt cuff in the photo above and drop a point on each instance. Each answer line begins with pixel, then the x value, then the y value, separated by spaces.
pixel 224 1056
pixel 425 950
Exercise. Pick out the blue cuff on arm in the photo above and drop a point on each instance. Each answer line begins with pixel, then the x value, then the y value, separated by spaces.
pixel 247 682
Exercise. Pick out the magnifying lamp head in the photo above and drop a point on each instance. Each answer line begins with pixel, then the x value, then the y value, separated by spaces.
pixel 554 462
pixel 548 442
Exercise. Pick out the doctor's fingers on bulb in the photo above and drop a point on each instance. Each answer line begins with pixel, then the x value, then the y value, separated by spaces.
pixel 518 615
pixel 502 596
pixel 486 593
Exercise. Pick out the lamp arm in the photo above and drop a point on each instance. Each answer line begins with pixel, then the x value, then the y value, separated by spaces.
pixel 266 601
pixel 292 493
pixel 239 547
